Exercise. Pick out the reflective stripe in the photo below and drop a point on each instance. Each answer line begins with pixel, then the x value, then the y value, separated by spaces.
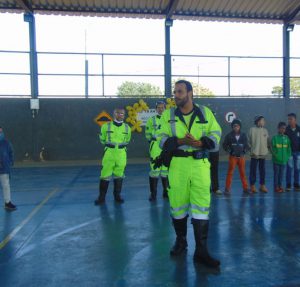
pixel 154 122
pixel 179 216
pixel 200 216
pixel 162 142
pixel 187 148
pixel 164 173
pixel 154 173
pixel 106 178
pixel 109 132
pixel 203 111
pixel 214 139
pixel 183 207
pixel 173 122
pixel 197 207
pixel 218 133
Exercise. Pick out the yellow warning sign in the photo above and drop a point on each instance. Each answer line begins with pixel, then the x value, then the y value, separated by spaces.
pixel 102 118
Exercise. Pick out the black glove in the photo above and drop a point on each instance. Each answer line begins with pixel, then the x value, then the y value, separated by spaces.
pixel 166 154
pixel 158 162
pixel 207 143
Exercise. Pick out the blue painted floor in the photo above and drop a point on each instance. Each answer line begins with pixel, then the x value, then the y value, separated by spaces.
pixel 59 238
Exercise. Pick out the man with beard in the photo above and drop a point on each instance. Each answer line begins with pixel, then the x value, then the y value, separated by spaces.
pixel 187 134
pixel 115 137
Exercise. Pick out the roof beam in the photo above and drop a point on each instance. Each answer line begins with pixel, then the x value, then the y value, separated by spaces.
pixel 25 5
pixel 292 17
pixel 171 8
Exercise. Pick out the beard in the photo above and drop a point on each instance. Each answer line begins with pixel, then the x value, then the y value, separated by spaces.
pixel 181 102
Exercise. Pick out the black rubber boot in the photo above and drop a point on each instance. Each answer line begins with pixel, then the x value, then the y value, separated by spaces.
pixel 165 184
pixel 180 246
pixel 153 181
pixel 103 186
pixel 117 190
pixel 201 254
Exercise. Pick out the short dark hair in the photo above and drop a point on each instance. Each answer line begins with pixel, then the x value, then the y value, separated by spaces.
pixel 293 115
pixel 188 85
pixel 160 103
pixel 281 124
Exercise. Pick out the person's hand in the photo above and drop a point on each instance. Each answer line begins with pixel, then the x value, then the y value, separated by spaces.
pixel 197 143
pixel 194 142
pixel 189 140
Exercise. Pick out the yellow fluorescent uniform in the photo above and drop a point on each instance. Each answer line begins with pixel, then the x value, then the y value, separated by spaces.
pixel 189 178
pixel 152 127
pixel 115 137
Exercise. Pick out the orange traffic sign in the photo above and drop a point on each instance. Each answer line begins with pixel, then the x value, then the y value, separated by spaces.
pixel 102 118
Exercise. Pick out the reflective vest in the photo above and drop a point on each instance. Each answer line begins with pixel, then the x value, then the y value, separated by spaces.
pixel 202 123
pixel 152 127
pixel 115 136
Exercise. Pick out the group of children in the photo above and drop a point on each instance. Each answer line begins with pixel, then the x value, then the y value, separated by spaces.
pixel 284 147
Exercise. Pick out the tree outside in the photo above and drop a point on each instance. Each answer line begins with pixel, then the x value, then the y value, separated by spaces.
pixel 294 88
pixel 198 90
pixel 138 89
pixel 142 89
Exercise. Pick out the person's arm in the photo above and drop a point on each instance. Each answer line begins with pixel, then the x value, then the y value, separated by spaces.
pixel 149 129
pixel 11 154
pixel 189 140
pixel 246 143
pixel 289 149
pixel 249 136
pixel 226 144
pixel 128 138
pixel 269 141
pixel 214 134
pixel 164 135
pixel 273 147
pixel 103 133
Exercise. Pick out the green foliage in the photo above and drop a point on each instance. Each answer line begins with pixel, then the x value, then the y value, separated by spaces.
pixel 294 88
pixel 139 89
pixel 198 90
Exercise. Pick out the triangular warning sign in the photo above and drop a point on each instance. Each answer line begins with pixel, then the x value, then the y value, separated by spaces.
pixel 102 118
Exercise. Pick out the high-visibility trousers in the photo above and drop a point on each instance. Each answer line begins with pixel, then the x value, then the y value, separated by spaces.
pixel 189 190
pixel 154 151
pixel 113 163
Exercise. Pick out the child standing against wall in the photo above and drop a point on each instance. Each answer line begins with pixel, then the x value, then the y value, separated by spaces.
pixel 236 144
pixel 258 140
pixel 281 152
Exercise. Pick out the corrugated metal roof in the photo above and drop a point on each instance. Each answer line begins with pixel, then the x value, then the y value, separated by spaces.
pixel 262 11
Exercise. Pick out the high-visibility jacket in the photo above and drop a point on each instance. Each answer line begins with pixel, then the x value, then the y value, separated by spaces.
pixel 189 177
pixel 152 127
pixel 151 132
pixel 203 123
pixel 115 135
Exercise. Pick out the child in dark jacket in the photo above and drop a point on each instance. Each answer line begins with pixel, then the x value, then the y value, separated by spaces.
pixel 281 152
pixel 236 144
